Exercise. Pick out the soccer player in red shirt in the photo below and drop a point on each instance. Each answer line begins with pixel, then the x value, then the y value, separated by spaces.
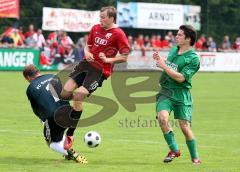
pixel 107 44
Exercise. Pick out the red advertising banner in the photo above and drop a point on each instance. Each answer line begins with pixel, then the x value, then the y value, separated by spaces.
pixel 9 8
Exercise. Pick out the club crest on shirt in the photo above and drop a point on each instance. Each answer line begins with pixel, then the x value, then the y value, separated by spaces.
pixel 108 35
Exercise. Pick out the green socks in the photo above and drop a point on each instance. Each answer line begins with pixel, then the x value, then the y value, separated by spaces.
pixel 172 144
pixel 192 147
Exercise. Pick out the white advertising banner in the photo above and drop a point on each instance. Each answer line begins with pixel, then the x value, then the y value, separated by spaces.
pixel 209 61
pixel 69 20
pixel 219 62
pixel 157 16
pixel 162 16
pixel 192 16
pixel 138 62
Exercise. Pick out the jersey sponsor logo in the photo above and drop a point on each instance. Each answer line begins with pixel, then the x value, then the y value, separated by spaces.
pixel 100 41
pixel 172 65
pixel 108 35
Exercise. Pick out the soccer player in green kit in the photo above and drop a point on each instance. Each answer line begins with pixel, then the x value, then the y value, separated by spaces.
pixel 178 68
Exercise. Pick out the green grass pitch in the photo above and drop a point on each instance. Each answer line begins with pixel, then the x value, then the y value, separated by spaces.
pixel 136 147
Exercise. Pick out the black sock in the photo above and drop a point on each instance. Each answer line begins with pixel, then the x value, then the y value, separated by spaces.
pixel 75 115
pixel 70 131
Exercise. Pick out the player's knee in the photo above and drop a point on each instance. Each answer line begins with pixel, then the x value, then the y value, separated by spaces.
pixel 186 129
pixel 185 125
pixel 163 118
pixel 80 95
pixel 162 121
pixel 66 95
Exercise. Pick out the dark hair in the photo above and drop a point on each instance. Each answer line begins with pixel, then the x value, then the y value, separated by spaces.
pixel 30 71
pixel 111 12
pixel 189 32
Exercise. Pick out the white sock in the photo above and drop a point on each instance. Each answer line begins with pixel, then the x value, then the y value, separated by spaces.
pixel 58 147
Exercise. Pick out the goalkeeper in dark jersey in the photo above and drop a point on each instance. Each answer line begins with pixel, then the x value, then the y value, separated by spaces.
pixel 46 105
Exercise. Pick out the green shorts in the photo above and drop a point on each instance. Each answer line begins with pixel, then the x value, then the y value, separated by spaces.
pixel 183 112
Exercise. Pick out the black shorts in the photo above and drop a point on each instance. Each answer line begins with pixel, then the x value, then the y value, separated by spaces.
pixel 88 74
pixel 52 132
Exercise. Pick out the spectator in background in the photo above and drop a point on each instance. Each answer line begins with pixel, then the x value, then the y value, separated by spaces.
pixel 17 41
pixel 156 45
pixel 83 40
pixel 211 44
pixel 31 41
pixel 171 40
pixel 20 32
pixel 131 42
pixel 66 44
pixel 1 36
pixel 47 55
pixel 147 42
pixel 40 39
pixel 6 40
pixel 31 37
pixel 53 37
pixel 226 44
pixel 30 31
pixel 52 42
pixel 201 44
pixel 67 39
pixel 165 43
pixel 78 51
pixel 236 44
pixel 159 42
pixel 140 44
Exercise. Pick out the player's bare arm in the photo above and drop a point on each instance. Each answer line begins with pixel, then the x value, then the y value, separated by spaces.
pixel 119 58
pixel 88 55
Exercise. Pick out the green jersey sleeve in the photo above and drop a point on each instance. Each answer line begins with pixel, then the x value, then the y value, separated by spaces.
pixel 190 69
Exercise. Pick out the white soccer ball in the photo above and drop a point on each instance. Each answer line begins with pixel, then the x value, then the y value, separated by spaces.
pixel 92 139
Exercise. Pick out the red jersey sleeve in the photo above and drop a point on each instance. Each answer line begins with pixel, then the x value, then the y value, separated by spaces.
pixel 122 43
